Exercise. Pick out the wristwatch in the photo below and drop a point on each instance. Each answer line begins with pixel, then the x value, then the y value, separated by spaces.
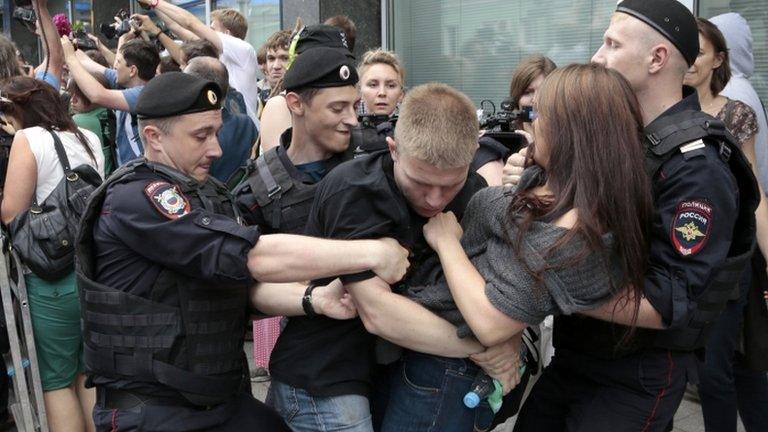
pixel 306 301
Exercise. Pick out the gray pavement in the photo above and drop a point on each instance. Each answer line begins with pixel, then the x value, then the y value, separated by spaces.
pixel 687 419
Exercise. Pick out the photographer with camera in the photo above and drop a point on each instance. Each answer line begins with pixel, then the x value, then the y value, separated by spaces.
pixel 526 79
pixel 135 63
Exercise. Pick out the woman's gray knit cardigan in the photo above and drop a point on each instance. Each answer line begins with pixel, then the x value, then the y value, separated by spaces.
pixel 510 288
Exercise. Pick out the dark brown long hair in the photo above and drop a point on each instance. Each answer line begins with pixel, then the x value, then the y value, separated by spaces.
pixel 36 103
pixel 722 74
pixel 591 122
pixel 525 74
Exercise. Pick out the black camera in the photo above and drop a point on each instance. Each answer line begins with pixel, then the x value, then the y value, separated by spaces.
pixel 115 30
pixel 25 15
pixel 503 119
pixel 82 41
pixel 500 125
pixel 374 120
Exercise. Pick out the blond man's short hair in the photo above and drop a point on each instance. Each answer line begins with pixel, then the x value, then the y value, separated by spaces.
pixel 437 125
pixel 231 20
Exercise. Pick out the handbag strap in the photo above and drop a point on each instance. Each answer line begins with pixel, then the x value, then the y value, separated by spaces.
pixel 63 160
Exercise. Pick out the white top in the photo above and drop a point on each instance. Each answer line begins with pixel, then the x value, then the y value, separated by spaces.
pixel 49 170
pixel 240 59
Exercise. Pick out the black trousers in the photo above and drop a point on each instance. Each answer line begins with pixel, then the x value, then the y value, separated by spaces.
pixel 242 413
pixel 581 393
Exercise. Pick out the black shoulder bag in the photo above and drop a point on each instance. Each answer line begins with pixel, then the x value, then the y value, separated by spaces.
pixel 44 235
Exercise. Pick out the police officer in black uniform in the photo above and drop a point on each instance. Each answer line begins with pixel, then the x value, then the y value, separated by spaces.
pixel 164 265
pixel 701 236
pixel 321 95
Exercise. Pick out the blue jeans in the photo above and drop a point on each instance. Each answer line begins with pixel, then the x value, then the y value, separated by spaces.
pixel 427 395
pixel 306 413
pixel 725 384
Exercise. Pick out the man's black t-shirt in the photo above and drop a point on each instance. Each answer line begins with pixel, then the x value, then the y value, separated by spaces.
pixel 357 200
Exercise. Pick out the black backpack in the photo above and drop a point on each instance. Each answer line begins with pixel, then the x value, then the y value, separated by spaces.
pixel 44 235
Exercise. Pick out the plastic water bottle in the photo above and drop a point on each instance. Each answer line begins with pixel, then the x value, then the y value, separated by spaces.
pixel 11 371
pixel 484 387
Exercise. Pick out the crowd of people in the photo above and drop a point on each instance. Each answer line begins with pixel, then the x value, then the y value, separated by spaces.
pixel 591 273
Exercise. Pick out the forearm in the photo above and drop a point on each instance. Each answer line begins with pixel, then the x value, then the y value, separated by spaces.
pixel 93 89
pixel 467 285
pixel 407 324
pixel 172 47
pixel 291 258
pixel 107 53
pixel 186 21
pixel 89 65
pixel 761 219
pixel 278 299
pixel 621 310
pixel 52 45
pixel 174 27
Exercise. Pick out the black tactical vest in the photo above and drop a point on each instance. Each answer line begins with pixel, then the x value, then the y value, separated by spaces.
pixel 370 135
pixel 284 201
pixel 666 138
pixel 187 335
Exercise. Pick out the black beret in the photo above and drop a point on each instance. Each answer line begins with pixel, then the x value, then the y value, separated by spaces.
pixel 322 35
pixel 319 68
pixel 177 93
pixel 670 18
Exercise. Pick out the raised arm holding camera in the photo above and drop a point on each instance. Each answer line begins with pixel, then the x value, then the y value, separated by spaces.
pixel 135 64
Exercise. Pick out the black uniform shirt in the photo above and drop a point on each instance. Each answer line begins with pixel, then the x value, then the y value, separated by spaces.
pixel 696 204
pixel 144 228
pixel 358 200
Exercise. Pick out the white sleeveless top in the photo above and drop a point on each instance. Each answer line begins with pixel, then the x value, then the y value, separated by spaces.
pixel 49 170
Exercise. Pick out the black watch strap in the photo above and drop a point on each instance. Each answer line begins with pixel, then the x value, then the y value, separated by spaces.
pixel 306 301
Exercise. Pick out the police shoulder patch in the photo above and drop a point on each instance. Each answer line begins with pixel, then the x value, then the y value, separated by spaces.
pixel 167 199
pixel 691 226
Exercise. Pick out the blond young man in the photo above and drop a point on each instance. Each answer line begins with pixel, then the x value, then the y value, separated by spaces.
pixel 321 367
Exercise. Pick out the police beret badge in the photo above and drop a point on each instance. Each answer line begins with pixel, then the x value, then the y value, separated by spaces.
pixel 691 226
pixel 212 98
pixel 344 72
pixel 167 199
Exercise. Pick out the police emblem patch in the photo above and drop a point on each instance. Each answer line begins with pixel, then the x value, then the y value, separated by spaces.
pixel 691 226
pixel 167 199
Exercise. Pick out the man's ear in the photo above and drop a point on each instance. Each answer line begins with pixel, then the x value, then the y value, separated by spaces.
pixel 659 58
pixel 134 71
pixel 152 137
pixel 392 145
pixel 295 104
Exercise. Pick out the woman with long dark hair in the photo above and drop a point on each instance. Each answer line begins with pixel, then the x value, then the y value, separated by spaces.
pixel 34 171
pixel 565 240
